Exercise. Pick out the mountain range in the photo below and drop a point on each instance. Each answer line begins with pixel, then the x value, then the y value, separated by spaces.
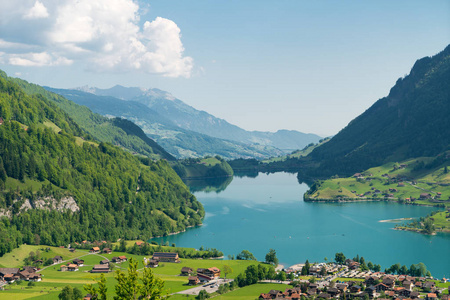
pixel 183 130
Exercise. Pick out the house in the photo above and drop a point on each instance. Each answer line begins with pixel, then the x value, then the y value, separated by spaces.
pixel 341 287
pixel 370 290
pixel 370 280
pixel 193 280
pixel 213 272
pixel 6 271
pixel 30 269
pixel 104 268
pixel 275 294
pixel 428 286
pixel 355 288
pixel 185 271
pixel 431 296
pixel 153 263
pixel 10 278
pixel 72 267
pixel 333 292
pixel 107 251
pixel 265 296
pixel 24 275
pixel 123 258
pixel 414 295
pixel 408 284
pixel 63 268
pixel 324 296
pixel 204 278
pixel 78 262
pixel 104 262
pixel 57 259
pixel 389 281
pixel 35 277
pixel 425 196
pixel 166 257
pixel 94 250
pixel 140 243
pixel 381 287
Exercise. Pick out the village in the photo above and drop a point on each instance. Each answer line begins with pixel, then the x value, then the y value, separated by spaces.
pixel 322 281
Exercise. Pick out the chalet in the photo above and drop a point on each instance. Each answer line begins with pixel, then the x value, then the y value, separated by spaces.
pixel 390 293
pixel 63 268
pixel 405 293
pixel 30 269
pixel 213 272
pixel 204 278
pixel 371 280
pixel 123 258
pixel 370 290
pixel 153 263
pixel 357 175
pixel 381 287
pixel 401 184
pixel 78 262
pixel 72 267
pixel 275 294
pixel 265 296
pixel 428 286
pixel 431 296
pixel 324 296
pixel 6 271
pixel 57 259
pixel 408 284
pixel 398 290
pixel 341 287
pixel 116 260
pixel 107 251
pixel 311 292
pixel 353 265
pixel 94 250
pixel 104 262
pixel 425 196
pixel 35 277
pixel 355 288
pixel 333 292
pixel 10 278
pixel 100 269
pixel 193 280
pixel 24 275
pixel 414 295
pixel 186 271
pixel 389 281
pixel 166 257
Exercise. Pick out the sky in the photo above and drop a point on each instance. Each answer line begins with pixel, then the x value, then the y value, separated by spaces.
pixel 310 66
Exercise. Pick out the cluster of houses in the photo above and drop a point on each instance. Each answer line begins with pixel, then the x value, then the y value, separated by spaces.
pixel 10 275
pixel 171 257
pixel 377 285
pixel 203 275
pixel 76 263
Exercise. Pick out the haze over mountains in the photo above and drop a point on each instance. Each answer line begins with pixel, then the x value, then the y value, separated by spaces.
pixel 183 130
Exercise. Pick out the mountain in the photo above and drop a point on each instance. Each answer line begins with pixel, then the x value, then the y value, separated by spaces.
pixel 187 117
pixel 176 140
pixel 59 185
pixel 119 132
pixel 412 121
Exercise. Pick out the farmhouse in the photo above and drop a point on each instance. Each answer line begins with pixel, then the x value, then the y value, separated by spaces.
pixel 185 271
pixel 94 250
pixel 104 268
pixel 166 257
pixel 57 259
pixel 193 280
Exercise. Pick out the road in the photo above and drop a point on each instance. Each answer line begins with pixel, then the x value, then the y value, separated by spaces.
pixel 212 287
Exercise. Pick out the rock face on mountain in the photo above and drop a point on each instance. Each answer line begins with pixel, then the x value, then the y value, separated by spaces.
pixel 412 121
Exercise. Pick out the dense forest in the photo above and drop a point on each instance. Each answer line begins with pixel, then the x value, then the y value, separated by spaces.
pixel 46 157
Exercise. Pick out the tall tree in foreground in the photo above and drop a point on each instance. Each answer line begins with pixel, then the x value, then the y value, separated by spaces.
pixel 130 286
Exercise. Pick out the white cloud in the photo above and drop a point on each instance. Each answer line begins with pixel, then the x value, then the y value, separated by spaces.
pixel 105 35
pixel 38 11
pixel 38 60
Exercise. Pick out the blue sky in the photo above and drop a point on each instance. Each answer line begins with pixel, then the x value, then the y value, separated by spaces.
pixel 310 66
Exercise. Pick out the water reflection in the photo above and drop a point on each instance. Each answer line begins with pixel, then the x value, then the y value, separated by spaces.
pixel 208 185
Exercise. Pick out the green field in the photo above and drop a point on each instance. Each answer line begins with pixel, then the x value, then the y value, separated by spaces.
pixel 54 280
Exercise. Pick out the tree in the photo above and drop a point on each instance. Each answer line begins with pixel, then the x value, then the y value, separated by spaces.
pixel 227 270
pixel 69 293
pixel 370 265
pixel 271 257
pixel 340 258
pixel 100 292
pixel 130 286
pixel 282 276
pixel 245 255
pixel 202 295
pixel 323 271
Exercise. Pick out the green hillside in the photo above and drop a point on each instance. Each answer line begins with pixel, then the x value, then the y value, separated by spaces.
pixel 58 188
pixel 207 167
pixel 408 182
pixel 412 121
pixel 116 131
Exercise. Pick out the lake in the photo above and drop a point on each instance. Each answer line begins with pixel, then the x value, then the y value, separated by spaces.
pixel 268 211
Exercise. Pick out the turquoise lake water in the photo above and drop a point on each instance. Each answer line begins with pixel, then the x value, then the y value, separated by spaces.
pixel 269 212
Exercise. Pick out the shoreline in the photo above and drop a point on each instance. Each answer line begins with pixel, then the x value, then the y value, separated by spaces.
pixel 395 220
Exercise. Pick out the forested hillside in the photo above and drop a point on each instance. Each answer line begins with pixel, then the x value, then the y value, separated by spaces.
pixel 58 187
pixel 412 121
pixel 116 131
